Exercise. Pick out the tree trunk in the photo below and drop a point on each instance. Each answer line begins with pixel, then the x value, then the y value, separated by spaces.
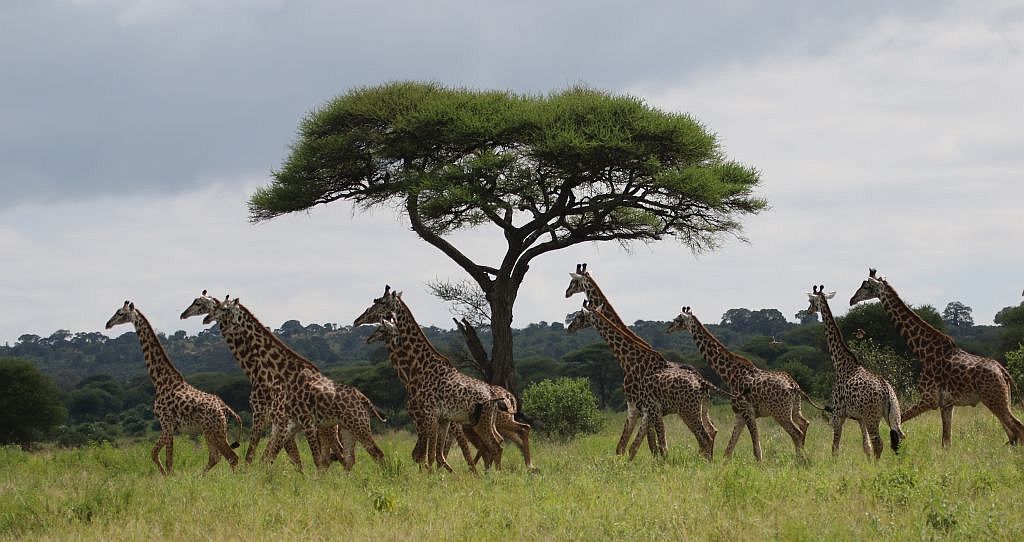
pixel 503 366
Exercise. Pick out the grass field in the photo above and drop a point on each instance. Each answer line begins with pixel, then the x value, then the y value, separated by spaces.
pixel 582 491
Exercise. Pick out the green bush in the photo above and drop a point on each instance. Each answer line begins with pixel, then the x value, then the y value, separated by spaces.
pixel 563 408
pixel 1015 364
pixel 889 364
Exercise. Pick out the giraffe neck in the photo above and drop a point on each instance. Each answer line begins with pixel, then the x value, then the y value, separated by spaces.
pixel 597 297
pixel 235 340
pixel 729 366
pixel 163 373
pixel 634 358
pixel 924 341
pixel 412 350
pixel 842 358
pixel 263 346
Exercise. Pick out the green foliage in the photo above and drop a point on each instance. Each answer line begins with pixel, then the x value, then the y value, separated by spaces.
pixel 1015 364
pixel 883 360
pixel 598 365
pixel 871 321
pixel 30 404
pixel 1012 321
pixel 564 408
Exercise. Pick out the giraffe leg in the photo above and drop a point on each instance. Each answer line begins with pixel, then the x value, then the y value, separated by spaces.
pixel 876 439
pixel 927 402
pixel 705 417
pixel 169 454
pixel 947 424
pixel 211 448
pixel 865 436
pixel 737 429
pixel 837 432
pixel 659 427
pixel 438 450
pixel 348 452
pixel 755 436
pixel 705 443
pixel 462 438
pixel 999 405
pixel 362 433
pixel 640 435
pixel 632 415
pixel 165 437
pixel 794 432
pixel 258 425
pixel 519 433
pixel 801 422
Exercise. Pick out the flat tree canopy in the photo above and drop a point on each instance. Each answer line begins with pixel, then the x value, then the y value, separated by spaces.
pixel 549 171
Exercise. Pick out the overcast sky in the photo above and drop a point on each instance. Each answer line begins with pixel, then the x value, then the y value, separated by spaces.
pixel 133 131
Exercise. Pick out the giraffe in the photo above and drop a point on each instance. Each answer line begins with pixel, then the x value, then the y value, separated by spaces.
pixel 583 282
pixel 308 399
pixel 857 392
pixel 261 395
pixel 438 393
pixel 949 376
pixel 387 333
pixel 178 405
pixel 654 386
pixel 759 392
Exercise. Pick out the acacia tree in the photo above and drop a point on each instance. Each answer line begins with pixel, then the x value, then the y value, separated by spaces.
pixel 548 171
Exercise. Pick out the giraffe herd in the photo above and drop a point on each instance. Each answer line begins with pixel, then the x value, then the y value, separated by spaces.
pixel 290 395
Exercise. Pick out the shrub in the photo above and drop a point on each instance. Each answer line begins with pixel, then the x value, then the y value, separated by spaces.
pixel 563 408
pixel 887 363
pixel 1015 364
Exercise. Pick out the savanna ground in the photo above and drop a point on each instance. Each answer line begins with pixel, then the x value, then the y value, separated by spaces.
pixel 582 491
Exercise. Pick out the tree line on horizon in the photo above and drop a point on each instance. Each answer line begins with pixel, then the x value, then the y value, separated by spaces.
pixel 101 383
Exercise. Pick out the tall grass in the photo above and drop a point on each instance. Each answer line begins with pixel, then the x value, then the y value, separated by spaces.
pixel 582 491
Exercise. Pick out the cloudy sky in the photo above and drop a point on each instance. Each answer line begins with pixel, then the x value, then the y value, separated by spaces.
pixel 133 131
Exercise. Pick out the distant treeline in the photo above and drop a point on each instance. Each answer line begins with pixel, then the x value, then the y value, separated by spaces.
pixel 106 389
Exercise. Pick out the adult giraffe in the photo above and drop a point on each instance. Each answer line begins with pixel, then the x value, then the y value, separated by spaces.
pixel 950 376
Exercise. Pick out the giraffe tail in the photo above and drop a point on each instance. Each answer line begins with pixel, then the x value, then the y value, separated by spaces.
pixel 238 422
pixel 893 417
pixel 708 386
pixel 372 408
pixel 811 401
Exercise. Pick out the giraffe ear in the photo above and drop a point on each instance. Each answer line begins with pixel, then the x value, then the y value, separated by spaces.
pixel 830 295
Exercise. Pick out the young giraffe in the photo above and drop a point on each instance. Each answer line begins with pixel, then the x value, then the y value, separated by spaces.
pixel 262 393
pixel 759 393
pixel 309 399
pixel 388 334
pixel 857 392
pixel 582 282
pixel 949 376
pixel 438 393
pixel 654 386
pixel 178 405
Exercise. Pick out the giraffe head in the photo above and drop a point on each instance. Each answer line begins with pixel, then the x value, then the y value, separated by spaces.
pixel 686 320
pixel 381 308
pixel 869 289
pixel 123 315
pixel 818 298
pixel 577 281
pixel 200 305
pixel 386 332
pixel 225 312
pixel 583 318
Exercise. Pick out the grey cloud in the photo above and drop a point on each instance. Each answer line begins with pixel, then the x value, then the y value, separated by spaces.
pixel 109 98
